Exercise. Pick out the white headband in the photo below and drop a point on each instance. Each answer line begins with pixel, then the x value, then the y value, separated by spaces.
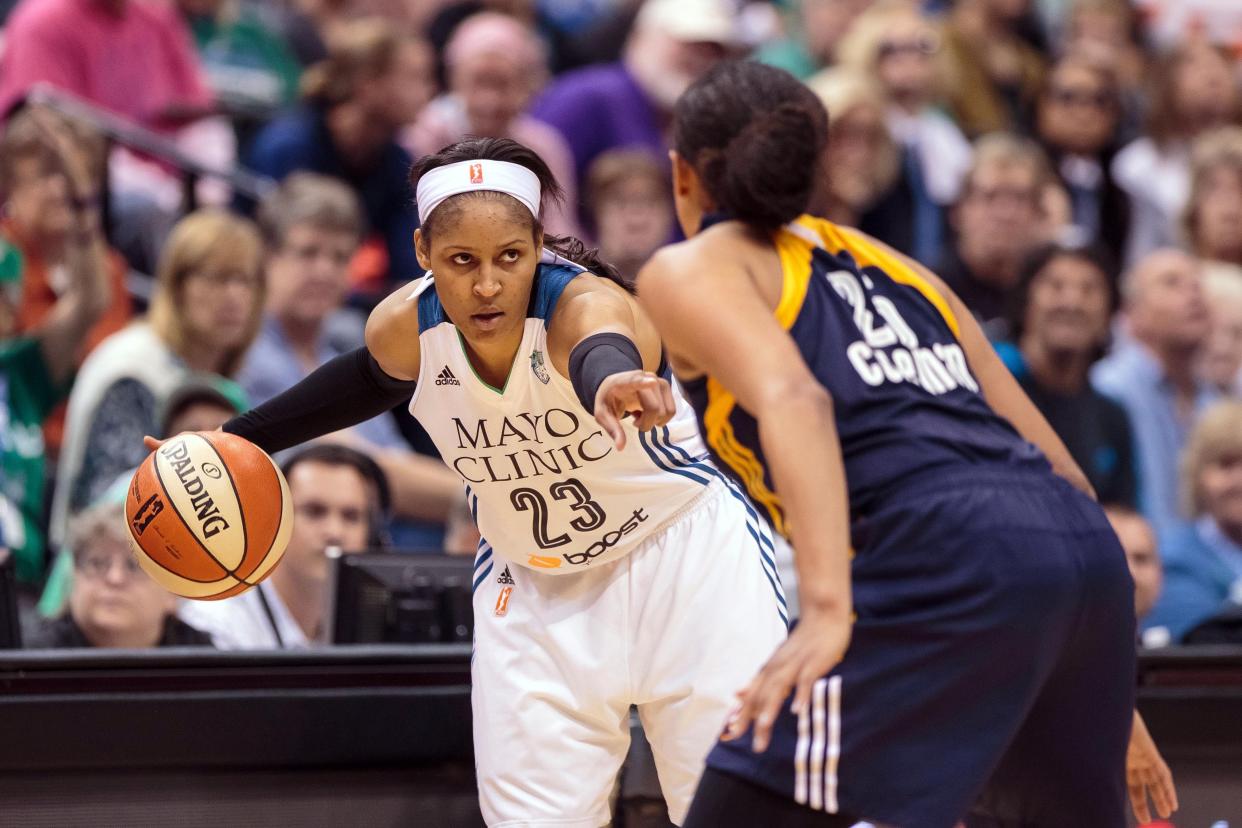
pixel 466 176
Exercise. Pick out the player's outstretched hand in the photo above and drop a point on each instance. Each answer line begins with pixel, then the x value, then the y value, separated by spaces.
pixel 640 393
pixel 814 647
pixel 152 443
pixel 1148 775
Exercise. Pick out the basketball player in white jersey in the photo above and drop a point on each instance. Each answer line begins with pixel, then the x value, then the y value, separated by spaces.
pixel 617 566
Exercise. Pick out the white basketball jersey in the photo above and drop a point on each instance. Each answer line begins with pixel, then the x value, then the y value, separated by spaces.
pixel 548 488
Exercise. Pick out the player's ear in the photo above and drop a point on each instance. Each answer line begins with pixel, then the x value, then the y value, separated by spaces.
pixel 683 174
pixel 422 249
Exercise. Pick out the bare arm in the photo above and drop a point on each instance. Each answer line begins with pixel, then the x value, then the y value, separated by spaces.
pixel 392 334
pixel 89 290
pixel 592 305
pixel 713 317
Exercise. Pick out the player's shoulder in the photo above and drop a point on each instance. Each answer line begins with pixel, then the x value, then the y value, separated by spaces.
pixel 713 253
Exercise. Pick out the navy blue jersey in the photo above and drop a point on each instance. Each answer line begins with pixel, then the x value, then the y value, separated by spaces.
pixel 884 343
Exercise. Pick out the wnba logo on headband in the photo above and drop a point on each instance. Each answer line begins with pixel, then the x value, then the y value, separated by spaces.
pixel 501 176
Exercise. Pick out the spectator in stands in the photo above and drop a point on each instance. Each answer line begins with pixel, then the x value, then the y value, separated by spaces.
pixel 340 500
pixel 860 162
pixel 113 603
pixel 495 66
pixel 133 59
pixel 51 172
pixel 1139 541
pixel 205 313
pixel 1107 32
pixel 1213 217
pixel 374 82
pixel 629 202
pixel 992 74
pixel 1193 90
pixel 1058 328
pixel 1077 116
pixel 897 43
pixel 1000 219
pixel 1222 355
pixel 311 225
pixel 1203 556
pixel 814 32
pixel 630 103
pixel 202 402
pixel 249 66
pixel 36 365
pixel 1154 371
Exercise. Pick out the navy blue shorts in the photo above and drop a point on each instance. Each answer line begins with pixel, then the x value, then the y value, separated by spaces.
pixel 991 666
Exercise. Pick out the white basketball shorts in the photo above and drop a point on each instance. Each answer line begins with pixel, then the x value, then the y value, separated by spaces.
pixel 677 628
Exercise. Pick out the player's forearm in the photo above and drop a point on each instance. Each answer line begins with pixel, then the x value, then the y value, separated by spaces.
pixel 83 303
pixel 799 438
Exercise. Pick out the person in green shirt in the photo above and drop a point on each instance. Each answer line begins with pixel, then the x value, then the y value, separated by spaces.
pixel 36 367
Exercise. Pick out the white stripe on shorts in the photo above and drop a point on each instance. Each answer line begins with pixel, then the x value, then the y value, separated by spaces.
pixel 834 744
pixel 800 754
pixel 817 745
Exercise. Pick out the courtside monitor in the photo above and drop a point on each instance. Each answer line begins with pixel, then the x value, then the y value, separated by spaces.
pixel 401 597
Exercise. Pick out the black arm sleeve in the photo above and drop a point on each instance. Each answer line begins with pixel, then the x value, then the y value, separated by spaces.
pixel 340 393
pixel 597 358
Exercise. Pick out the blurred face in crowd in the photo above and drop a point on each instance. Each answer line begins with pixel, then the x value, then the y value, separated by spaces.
pixel 217 303
pixel 1078 111
pixel 1139 542
pixel 998 217
pixel 1167 308
pixel 113 601
pixel 1067 308
pixel 399 95
pixel 855 139
pixel 905 58
pixel 494 89
pixel 1008 10
pixel 205 415
pixel 38 201
pixel 1218 214
pixel 1220 488
pixel 825 21
pixel 332 506
pixel 307 275
pixel 1222 355
pixel 1205 88
pixel 633 219
pixel 1098 32
pixel 665 66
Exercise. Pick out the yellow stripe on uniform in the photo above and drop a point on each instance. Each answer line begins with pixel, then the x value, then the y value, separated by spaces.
pixel 720 436
pixel 868 254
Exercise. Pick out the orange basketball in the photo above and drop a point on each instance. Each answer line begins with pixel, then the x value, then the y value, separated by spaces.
pixel 209 515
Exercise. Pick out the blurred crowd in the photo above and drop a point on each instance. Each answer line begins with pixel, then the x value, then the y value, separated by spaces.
pixel 1072 168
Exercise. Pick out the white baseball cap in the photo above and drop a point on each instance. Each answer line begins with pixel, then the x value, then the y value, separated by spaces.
pixel 693 21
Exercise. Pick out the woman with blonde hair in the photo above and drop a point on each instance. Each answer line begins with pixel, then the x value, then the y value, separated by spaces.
pixel 897 43
pixel 1203 556
pixel 860 163
pixel 203 317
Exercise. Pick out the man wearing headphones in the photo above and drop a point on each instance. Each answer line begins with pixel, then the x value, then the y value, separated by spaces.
pixel 340 498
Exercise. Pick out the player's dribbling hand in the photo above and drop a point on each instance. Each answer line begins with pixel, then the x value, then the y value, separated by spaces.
pixel 640 393
pixel 815 646
pixel 1148 775
pixel 152 443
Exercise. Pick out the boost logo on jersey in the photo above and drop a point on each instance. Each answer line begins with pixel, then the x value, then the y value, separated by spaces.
pixel 606 541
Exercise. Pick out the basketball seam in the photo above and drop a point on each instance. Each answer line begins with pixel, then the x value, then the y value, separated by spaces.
pixel 231 572
pixel 160 480
pixel 280 515
pixel 241 509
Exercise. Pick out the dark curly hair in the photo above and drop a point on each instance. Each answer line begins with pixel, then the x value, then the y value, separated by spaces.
pixel 755 135
pixel 505 149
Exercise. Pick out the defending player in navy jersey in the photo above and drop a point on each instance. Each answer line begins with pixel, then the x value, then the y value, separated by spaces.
pixel 966 641
pixel 618 567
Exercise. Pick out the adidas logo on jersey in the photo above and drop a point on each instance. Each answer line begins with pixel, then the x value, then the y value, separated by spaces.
pixel 505 577
pixel 446 377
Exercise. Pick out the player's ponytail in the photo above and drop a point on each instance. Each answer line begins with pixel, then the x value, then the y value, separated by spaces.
pixel 755 135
